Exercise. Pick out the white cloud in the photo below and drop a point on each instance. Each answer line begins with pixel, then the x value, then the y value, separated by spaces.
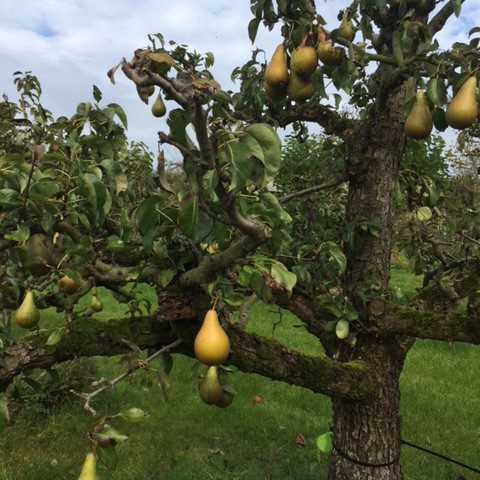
pixel 70 45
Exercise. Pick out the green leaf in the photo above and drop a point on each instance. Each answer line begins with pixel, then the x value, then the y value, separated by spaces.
pixel 133 415
pixel 54 337
pixel 146 215
pixel 166 277
pixel 336 254
pixel 437 91
pixel 282 276
pixel 21 235
pixel 253 29
pixel 177 121
pixel 121 182
pixel 324 442
pixel 120 112
pixel 457 7
pixel 424 214
pixel 271 146
pixel 188 213
pixel 10 197
pixel 97 94
pixel 234 300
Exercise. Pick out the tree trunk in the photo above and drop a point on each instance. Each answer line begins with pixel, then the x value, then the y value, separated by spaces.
pixel 367 434
pixel 369 431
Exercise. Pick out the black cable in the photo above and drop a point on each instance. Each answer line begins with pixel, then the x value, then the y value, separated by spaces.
pixel 439 455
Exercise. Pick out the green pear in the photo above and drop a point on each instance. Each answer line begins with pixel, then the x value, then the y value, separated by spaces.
pixel 276 73
pixel 96 304
pixel 209 387
pixel 89 470
pixel 419 121
pixel 158 108
pixel 68 286
pixel 300 90
pixel 346 30
pixel 39 259
pixel 274 93
pixel 330 55
pixel 27 316
pixel 303 62
pixel 462 110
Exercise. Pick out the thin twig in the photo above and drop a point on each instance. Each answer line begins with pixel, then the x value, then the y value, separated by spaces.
pixel 317 188
pixel 107 384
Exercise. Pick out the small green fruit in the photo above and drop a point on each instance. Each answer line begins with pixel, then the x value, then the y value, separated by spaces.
pixel 158 108
pixel 96 304
pixel 89 470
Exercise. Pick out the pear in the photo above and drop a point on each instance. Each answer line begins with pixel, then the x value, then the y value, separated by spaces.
pixel 303 62
pixel 275 93
pixel 329 55
pixel 462 110
pixel 419 121
pixel 89 470
pixel 209 387
pixel 67 285
pixel 39 257
pixel 346 30
pixel 211 391
pixel 150 90
pixel 212 345
pixel 276 73
pixel 158 108
pixel 27 315
pixel 300 90
pixel 96 304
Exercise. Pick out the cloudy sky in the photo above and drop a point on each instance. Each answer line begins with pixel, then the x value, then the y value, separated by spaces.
pixel 71 44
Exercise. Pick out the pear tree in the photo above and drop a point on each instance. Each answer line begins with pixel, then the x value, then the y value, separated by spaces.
pixel 81 208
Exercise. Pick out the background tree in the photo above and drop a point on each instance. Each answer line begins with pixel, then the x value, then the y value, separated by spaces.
pixel 219 234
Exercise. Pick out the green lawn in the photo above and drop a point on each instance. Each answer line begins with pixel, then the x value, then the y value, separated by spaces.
pixel 184 439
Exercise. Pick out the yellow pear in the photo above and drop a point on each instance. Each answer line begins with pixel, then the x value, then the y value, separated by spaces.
pixel 89 470
pixel 275 93
pixel 346 30
pixel 462 110
pixel 96 304
pixel 67 285
pixel 303 62
pixel 419 121
pixel 300 90
pixel 276 74
pixel 158 108
pixel 212 345
pixel 211 391
pixel 329 55
pixel 27 315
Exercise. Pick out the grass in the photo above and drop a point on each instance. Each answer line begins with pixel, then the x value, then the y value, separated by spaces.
pixel 184 439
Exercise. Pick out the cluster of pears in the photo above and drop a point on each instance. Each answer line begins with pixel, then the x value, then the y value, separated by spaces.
pixel 212 347
pixel 299 83
pixel 461 112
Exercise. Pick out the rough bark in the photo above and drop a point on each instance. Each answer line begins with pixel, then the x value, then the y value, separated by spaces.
pixel 178 317
pixel 369 432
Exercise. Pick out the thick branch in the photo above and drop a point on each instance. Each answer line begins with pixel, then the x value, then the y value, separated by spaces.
pixel 176 317
pixel 445 326
pixel 438 21
pixel 332 122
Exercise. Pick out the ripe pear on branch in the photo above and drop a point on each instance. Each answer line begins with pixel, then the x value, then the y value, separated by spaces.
pixel 27 316
pixel 303 62
pixel 300 90
pixel 346 29
pixel 419 121
pixel 68 286
pixel 211 391
pixel 158 108
pixel 462 110
pixel 212 345
pixel 330 55
pixel 276 73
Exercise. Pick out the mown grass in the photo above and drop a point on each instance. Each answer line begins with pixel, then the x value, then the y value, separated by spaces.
pixel 185 439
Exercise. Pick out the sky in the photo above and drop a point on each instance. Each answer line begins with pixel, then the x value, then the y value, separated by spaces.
pixel 71 44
